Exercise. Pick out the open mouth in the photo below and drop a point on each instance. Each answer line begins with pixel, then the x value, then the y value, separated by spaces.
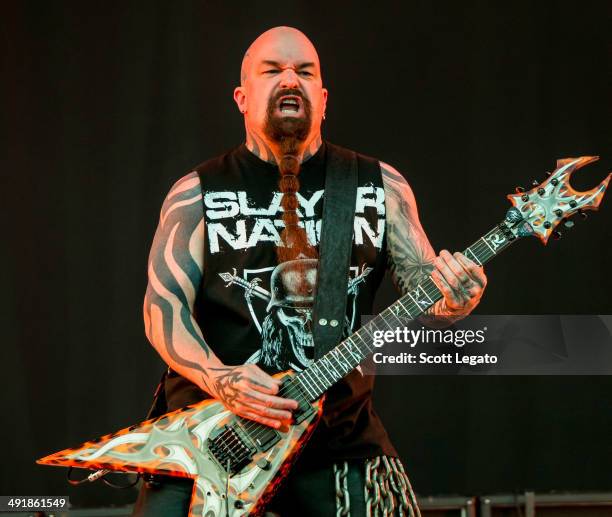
pixel 289 105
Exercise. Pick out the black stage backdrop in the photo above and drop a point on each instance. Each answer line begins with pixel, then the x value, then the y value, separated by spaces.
pixel 107 103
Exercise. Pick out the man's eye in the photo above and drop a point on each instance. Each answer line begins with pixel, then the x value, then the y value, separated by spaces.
pixel 305 73
pixel 271 72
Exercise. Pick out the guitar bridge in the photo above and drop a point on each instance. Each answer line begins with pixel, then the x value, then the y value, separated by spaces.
pixel 229 447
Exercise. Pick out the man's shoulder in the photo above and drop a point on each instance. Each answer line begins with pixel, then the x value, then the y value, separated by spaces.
pixel 184 190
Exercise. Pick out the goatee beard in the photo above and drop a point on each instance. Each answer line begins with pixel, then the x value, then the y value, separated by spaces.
pixel 288 129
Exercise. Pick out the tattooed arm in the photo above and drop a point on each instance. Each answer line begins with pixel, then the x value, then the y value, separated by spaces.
pixel 411 257
pixel 175 272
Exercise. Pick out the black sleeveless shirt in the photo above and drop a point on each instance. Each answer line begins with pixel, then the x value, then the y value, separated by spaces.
pixel 246 319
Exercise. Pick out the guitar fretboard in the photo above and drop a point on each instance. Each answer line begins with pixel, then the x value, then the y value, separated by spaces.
pixel 344 358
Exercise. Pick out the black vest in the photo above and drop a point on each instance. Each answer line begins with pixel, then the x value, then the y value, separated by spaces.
pixel 246 308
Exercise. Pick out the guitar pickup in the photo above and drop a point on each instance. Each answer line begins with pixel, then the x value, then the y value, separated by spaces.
pixel 263 437
pixel 303 411
pixel 305 408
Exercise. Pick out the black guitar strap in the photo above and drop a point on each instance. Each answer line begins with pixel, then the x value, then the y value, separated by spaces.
pixel 335 248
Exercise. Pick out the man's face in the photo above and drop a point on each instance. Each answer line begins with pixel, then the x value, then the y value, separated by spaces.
pixel 281 91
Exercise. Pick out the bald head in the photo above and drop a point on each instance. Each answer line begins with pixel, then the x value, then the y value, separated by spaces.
pixel 281 88
pixel 279 41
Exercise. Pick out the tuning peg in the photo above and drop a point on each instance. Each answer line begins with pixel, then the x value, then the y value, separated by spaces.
pixel 573 203
pixel 556 235
pixel 541 191
pixel 535 183
pixel 558 212
pixel 583 214
pixel 568 223
pixel 519 190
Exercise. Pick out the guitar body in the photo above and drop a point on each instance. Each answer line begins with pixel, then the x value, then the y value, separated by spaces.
pixel 196 442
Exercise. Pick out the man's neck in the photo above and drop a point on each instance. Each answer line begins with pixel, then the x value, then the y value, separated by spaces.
pixel 270 151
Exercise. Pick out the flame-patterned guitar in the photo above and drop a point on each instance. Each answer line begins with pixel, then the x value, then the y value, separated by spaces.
pixel 237 464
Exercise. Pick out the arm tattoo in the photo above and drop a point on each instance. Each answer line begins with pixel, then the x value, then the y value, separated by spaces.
pixel 410 255
pixel 175 272
pixel 409 252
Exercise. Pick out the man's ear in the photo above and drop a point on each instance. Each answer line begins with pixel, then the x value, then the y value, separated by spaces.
pixel 240 98
pixel 324 92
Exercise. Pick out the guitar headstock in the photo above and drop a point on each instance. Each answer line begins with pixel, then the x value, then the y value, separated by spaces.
pixel 540 210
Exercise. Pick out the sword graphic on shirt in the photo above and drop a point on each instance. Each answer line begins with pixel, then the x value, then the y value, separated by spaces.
pixel 288 315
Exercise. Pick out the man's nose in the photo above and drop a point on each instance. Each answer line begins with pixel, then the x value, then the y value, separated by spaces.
pixel 289 79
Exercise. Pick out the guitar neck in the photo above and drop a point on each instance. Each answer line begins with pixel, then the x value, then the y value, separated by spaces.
pixel 341 360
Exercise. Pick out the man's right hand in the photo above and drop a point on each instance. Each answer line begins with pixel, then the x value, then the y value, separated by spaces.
pixel 249 392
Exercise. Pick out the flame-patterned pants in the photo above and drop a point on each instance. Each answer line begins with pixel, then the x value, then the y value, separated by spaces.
pixel 358 488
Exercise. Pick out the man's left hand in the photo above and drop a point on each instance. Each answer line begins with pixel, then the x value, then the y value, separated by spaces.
pixel 461 281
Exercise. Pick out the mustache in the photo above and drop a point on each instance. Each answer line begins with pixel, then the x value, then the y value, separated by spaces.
pixel 289 91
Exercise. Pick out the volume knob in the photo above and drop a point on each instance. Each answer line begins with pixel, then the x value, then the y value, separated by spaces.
pixel 263 464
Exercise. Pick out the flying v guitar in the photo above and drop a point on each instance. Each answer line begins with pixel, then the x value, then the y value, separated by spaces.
pixel 237 464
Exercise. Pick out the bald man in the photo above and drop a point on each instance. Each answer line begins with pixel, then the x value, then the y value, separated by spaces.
pixel 231 274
